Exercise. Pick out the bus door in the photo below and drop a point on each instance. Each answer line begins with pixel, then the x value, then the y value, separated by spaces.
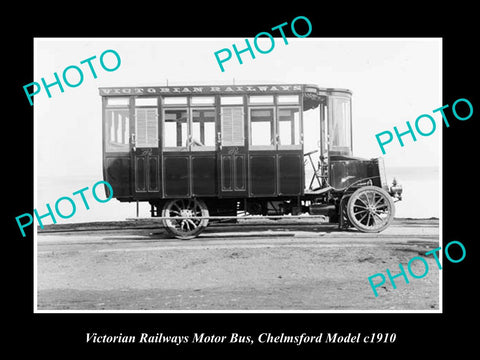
pixel 275 146
pixel 118 144
pixel 232 153
pixel 146 156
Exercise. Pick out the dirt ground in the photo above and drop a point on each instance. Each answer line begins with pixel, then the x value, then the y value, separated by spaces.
pixel 267 266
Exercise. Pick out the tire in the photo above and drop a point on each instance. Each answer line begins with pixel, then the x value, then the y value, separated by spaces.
pixel 370 209
pixel 185 229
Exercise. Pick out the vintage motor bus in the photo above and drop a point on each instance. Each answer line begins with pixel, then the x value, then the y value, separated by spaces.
pixel 198 153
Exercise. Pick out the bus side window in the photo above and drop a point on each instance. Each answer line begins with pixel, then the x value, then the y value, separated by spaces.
pixel 262 128
pixel 117 130
pixel 175 128
pixel 203 129
pixel 289 126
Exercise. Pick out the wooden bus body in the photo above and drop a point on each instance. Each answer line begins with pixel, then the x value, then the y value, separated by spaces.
pixel 200 152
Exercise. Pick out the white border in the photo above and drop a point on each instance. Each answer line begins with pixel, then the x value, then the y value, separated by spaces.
pixel 440 310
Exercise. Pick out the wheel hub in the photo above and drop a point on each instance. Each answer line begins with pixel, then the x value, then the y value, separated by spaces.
pixel 186 213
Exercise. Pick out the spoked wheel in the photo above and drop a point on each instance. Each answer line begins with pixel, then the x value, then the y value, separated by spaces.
pixel 188 209
pixel 370 209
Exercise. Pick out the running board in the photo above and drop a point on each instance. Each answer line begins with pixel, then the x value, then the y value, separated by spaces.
pixel 248 217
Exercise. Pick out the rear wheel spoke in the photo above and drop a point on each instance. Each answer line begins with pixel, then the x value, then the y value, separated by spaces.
pixel 190 221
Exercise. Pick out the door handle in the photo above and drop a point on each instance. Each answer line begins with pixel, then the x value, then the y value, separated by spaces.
pixel 132 141
pixel 219 140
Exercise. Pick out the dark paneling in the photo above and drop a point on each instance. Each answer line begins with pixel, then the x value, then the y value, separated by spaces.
pixel 146 173
pixel 176 170
pixel 226 165
pixel 290 174
pixel 153 183
pixel 262 175
pixel 140 173
pixel 343 173
pixel 240 173
pixel 117 175
pixel 203 175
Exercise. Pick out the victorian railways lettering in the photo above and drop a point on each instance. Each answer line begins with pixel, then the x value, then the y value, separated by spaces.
pixel 170 90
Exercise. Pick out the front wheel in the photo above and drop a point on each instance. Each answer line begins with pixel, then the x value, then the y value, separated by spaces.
pixel 190 212
pixel 370 209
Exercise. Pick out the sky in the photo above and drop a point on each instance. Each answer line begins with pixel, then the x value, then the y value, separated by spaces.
pixel 392 80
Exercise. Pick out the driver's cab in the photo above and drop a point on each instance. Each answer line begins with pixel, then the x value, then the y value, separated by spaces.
pixel 327 137
pixel 339 129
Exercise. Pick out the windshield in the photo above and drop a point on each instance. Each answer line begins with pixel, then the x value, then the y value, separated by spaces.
pixel 340 125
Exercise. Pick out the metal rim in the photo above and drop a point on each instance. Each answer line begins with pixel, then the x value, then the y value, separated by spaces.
pixel 370 209
pixel 190 211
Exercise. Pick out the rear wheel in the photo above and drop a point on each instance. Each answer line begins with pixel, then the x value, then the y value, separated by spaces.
pixel 370 209
pixel 190 212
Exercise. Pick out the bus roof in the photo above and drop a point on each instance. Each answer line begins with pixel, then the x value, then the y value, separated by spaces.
pixel 253 89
